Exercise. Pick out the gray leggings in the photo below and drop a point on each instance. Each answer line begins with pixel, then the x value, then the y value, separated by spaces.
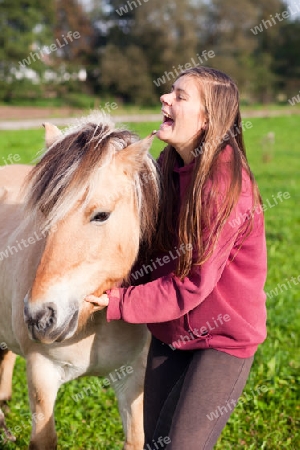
pixel 189 396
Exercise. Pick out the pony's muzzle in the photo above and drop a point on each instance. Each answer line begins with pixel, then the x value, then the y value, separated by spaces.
pixel 40 321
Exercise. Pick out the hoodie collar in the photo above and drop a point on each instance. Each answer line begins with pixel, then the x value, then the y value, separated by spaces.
pixel 179 168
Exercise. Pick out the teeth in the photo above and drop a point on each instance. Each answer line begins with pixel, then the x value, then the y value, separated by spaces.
pixel 167 115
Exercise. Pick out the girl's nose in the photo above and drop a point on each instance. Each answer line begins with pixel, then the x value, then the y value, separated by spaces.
pixel 166 98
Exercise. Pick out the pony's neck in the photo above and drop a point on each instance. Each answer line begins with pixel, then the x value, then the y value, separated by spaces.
pixel 26 245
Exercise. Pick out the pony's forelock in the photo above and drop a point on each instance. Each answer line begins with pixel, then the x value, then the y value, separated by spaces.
pixel 67 173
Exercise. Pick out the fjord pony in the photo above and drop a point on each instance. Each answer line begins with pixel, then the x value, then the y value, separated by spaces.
pixel 75 229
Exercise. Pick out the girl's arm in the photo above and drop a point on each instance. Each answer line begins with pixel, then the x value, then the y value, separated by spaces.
pixel 168 298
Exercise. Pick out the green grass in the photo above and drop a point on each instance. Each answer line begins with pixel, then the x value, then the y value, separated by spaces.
pixel 268 421
pixel 83 104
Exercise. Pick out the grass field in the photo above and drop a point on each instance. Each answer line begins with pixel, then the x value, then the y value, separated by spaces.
pixel 269 416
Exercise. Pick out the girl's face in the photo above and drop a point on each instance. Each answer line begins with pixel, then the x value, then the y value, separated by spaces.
pixel 184 117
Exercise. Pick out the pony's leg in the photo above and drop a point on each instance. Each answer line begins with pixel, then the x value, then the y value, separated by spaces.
pixel 8 436
pixel 7 362
pixel 43 383
pixel 129 391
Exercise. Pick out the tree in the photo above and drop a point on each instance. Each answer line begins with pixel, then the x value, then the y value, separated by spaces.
pixel 241 53
pixel 71 17
pixel 126 74
pixel 168 35
pixel 25 28
pixel 135 49
pixel 286 58
pixel 144 46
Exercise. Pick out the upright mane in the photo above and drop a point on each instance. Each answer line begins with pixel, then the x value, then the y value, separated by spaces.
pixel 64 175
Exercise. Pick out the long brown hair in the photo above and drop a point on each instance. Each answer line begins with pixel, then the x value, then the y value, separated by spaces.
pixel 205 215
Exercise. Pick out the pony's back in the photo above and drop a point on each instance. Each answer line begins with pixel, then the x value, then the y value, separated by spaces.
pixel 11 198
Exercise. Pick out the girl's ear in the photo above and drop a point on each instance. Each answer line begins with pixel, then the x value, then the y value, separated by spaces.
pixel 205 125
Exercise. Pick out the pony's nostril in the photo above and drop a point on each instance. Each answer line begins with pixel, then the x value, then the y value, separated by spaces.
pixel 40 320
pixel 45 319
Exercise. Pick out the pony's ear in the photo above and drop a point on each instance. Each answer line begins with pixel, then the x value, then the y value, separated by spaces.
pixel 133 156
pixel 52 133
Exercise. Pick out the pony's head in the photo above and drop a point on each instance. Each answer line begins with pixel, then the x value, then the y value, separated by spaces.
pixel 96 191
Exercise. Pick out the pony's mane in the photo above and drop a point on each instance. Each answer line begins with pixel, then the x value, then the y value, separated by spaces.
pixel 65 173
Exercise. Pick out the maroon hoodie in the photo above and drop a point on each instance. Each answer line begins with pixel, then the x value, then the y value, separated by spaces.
pixel 220 304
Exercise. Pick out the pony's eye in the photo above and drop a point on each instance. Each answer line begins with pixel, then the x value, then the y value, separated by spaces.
pixel 100 217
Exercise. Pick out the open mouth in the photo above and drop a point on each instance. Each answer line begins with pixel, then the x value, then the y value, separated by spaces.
pixel 167 119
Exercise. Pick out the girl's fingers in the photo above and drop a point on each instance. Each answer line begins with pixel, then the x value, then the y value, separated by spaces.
pixel 100 301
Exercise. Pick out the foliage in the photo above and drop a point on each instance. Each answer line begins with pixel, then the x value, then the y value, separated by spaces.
pixel 25 28
pixel 126 73
pixel 286 57
pixel 126 46
pixel 172 32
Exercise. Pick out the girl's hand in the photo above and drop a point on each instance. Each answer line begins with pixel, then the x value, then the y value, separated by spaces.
pixel 99 302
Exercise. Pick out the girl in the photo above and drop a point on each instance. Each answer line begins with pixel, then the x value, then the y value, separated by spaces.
pixel 204 302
